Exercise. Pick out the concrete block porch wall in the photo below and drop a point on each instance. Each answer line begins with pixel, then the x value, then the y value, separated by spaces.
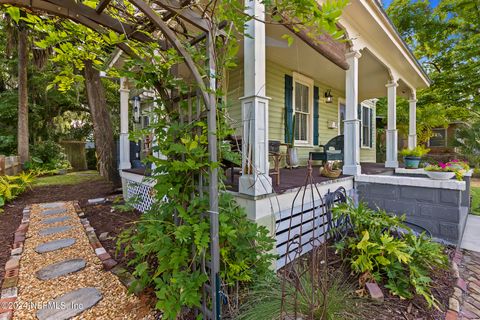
pixel 438 206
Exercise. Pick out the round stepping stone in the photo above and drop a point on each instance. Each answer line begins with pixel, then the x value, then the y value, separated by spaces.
pixel 54 245
pixel 52 205
pixel 55 220
pixel 54 211
pixel 70 304
pixel 54 230
pixel 60 269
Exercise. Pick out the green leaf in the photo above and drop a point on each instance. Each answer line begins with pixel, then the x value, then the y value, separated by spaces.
pixel 14 13
pixel 289 39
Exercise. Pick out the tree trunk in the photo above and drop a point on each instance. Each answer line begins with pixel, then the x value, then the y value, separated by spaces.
pixel 22 135
pixel 102 126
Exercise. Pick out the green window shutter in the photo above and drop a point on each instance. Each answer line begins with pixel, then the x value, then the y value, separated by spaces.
pixel 359 111
pixel 315 115
pixel 371 127
pixel 288 109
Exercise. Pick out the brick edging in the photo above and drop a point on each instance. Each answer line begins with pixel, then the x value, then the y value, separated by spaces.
pixel 109 264
pixel 12 267
pixel 460 288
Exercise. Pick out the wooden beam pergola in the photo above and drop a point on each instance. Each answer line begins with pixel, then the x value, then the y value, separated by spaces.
pixel 102 5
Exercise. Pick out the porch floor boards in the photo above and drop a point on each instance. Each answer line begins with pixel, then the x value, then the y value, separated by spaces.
pixel 294 178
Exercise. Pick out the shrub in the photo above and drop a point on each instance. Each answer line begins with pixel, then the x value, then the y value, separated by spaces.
pixel 12 186
pixel 48 156
pixel 163 251
pixel 377 249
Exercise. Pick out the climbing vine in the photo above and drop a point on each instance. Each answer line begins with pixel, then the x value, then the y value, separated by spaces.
pixel 171 242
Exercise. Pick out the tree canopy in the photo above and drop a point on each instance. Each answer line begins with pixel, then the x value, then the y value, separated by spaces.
pixel 446 40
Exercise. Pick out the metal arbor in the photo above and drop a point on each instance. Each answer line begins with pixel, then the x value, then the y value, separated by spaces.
pixel 174 24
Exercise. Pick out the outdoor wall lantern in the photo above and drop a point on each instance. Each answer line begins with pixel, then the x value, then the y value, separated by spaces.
pixel 136 109
pixel 328 96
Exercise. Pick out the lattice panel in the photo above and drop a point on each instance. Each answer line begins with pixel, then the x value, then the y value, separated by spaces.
pixel 141 195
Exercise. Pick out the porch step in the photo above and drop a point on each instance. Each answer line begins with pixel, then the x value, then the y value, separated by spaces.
pixel 378 170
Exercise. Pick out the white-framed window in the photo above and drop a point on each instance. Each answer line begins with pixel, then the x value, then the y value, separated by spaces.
pixel 366 123
pixel 439 138
pixel 303 108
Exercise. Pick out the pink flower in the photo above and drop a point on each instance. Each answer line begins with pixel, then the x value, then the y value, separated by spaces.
pixel 442 165
pixel 455 160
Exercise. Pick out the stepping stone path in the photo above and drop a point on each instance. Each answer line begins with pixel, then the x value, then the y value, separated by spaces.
pixel 65 275
pixel 54 230
pixel 52 205
pixel 71 304
pixel 60 269
pixel 55 245
pixel 54 211
pixel 55 220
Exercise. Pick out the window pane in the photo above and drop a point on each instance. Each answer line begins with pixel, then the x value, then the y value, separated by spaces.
pixel 305 99
pixel 303 133
pixel 366 127
pixel 301 97
pixel 366 136
pixel 297 126
pixel 302 111
pixel 342 117
pixel 298 97
pixel 438 139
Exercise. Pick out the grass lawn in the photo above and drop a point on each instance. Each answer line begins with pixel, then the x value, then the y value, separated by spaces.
pixel 475 191
pixel 67 179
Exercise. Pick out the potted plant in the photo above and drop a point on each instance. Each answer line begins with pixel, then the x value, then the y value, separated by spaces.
pixel 412 157
pixel 292 157
pixel 446 171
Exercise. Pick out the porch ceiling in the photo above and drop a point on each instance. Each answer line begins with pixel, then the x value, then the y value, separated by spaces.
pixel 300 57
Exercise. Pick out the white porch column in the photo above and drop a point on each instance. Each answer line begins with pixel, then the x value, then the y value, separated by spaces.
pixel 412 125
pixel 124 142
pixel 255 180
pixel 392 133
pixel 351 160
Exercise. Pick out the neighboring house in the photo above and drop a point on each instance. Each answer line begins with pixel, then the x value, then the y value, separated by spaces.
pixel 442 143
pixel 274 82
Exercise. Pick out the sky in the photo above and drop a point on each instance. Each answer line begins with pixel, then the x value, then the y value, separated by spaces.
pixel 434 3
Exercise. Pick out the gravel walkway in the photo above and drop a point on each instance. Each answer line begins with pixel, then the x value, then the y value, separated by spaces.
pixel 59 271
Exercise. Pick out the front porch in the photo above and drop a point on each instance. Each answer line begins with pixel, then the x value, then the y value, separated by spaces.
pixel 291 179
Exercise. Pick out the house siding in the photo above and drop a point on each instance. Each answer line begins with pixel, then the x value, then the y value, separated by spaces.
pixel 275 90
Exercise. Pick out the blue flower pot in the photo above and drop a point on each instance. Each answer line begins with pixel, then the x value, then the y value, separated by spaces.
pixel 412 162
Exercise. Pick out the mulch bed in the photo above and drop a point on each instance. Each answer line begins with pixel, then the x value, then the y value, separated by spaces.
pixel 394 308
pixel 104 218
pixel 11 217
